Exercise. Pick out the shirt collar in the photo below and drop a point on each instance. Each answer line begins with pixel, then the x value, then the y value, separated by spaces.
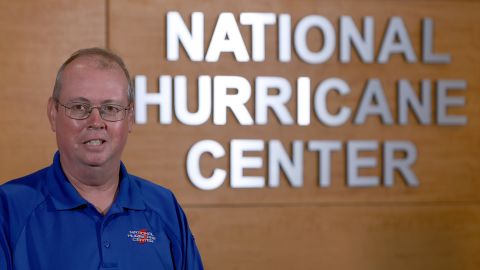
pixel 129 195
pixel 65 196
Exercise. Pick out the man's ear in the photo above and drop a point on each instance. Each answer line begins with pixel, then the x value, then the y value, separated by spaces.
pixel 52 113
pixel 130 118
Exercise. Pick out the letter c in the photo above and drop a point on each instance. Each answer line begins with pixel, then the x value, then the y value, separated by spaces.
pixel 193 165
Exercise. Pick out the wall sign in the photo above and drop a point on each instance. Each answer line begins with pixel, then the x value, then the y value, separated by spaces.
pixel 430 102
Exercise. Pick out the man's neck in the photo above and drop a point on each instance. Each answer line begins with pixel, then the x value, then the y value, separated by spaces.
pixel 96 185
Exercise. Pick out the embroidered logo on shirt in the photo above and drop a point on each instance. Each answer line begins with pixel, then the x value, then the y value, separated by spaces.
pixel 142 236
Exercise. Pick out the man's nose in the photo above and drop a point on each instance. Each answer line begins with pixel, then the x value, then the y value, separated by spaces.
pixel 95 119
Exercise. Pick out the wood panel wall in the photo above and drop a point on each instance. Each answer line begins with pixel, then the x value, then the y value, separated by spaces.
pixel 433 226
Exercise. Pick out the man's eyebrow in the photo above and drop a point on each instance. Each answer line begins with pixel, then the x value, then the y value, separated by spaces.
pixel 85 100
pixel 111 101
pixel 79 99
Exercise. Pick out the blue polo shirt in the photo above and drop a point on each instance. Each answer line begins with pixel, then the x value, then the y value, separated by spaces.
pixel 46 224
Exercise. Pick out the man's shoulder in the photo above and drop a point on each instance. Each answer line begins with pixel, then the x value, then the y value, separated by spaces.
pixel 153 193
pixel 24 187
pixel 19 197
pixel 148 186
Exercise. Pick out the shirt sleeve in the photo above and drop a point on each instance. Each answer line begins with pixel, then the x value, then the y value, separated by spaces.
pixel 194 261
pixel 191 259
pixel 5 252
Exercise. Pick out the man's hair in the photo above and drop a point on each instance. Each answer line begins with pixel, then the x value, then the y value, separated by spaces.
pixel 104 59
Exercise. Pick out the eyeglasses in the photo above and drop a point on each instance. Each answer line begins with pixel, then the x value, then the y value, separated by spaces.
pixel 108 112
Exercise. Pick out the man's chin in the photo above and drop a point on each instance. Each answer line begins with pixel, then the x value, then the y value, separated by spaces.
pixel 95 161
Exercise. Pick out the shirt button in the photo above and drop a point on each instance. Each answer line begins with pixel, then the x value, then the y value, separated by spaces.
pixel 106 244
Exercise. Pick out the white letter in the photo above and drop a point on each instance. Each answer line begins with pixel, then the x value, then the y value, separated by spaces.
pixel 238 162
pixel 300 39
pixel 429 56
pixel 193 165
pixel 236 102
pixel 278 158
pixel 204 101
pixel 226 38
pixel 178 31
pixel 396 28
pixel 163 99
pixel 444 102
pixel 403 165
pixel 258 21
pixel 324 149
pixel 320 102
pixel 407 96
pixel 373 91
pixel 303 101
pixel 355 163
pixel 277 102
pixel 349 34
pixel 284 38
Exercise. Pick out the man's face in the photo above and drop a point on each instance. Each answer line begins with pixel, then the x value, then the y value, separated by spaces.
pixel 78 140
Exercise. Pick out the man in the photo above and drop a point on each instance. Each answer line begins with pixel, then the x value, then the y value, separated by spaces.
pixel 85 211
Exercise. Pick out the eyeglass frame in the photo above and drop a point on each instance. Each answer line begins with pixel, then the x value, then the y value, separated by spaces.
pixel 91 107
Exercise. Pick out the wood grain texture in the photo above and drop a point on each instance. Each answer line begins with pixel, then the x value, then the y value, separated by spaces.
pixel 35 38
pixel 349 237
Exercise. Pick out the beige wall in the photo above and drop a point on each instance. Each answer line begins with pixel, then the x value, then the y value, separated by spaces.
pixel 434 226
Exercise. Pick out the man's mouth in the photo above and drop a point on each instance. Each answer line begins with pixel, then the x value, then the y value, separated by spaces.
pixel 94 142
